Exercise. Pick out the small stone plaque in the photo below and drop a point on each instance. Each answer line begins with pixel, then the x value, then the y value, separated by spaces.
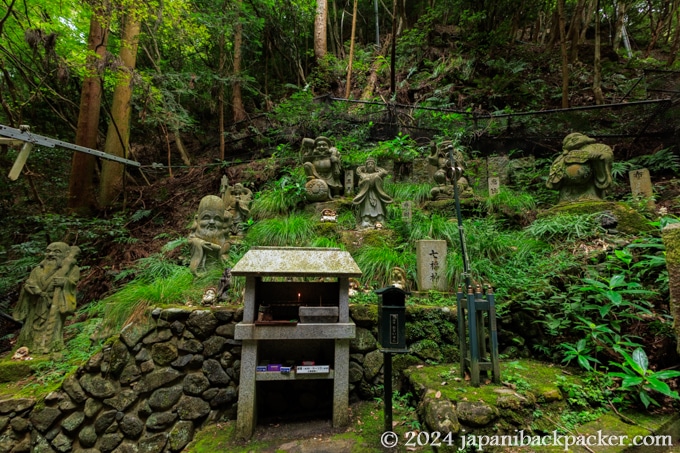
pixel 349 182
pixel 494 186
pixel 431 262
pixel 641 185
pixel 407 211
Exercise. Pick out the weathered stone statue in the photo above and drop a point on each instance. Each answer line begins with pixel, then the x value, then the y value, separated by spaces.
pixel 47 298
pixel 323 168
pixel 208 239
pixel 583 171
pixel 444 176
pixel 237 200
pixel 371 197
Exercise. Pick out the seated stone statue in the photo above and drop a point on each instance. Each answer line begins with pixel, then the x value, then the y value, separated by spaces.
pixel 444 176
pixel 371 197
pixel 323 168
pixel 208 239
pixel 47 298
pixel 583 171
pixel 237 201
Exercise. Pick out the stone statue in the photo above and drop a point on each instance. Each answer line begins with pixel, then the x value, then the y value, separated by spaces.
pixel 208 239
pixel 323 168
pixel 371 197
pixel 47 298
pixel 439 157
pixel 399 278
pixel 583 171
pixel 237 201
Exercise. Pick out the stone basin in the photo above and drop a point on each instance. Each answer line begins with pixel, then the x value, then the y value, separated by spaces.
pixel 318 314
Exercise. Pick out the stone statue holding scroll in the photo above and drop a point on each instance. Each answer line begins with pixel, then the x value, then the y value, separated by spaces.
pixel 371 197
pixel 47 298
pixel 583 171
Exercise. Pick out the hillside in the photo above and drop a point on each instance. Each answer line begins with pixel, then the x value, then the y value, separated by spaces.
pixel 571 292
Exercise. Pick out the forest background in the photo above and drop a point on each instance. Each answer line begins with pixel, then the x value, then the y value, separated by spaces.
pixel 194 90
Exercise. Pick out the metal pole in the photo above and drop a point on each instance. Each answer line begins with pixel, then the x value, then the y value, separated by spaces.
pixel 387 389
pixel 461 233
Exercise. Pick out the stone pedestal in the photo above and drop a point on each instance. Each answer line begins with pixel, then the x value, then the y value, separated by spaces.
pixel 431 262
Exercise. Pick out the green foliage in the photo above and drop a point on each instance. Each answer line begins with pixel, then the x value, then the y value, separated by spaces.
pixel 637 380
pixel 515 374
pixel 376 262
pixel 566 227
pixel 79 348
pixel 662 161
pixel 511 204
pixel 297 110
pixel 156 281
pixel 593 392
pixel 401 148
pixel 296 230
pixel 14 271
pixel 405 191
pixel 280 197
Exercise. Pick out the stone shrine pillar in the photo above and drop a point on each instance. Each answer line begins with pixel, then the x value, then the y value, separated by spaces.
pixel 671 239
pixel 641 186
pixel 431 264
pixel 494 186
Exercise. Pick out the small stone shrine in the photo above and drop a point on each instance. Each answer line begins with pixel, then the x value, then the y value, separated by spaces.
pixel 296 332
pixel 583 171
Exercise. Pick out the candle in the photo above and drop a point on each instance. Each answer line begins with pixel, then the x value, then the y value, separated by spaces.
pixel 298 298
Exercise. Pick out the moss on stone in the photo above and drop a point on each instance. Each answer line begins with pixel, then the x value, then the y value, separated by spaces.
pixel 12 371
pixel 630 221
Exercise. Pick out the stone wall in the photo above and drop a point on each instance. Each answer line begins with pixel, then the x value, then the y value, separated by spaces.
pixel 159 381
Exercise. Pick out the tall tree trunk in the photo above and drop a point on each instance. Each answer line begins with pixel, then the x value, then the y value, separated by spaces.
pixel 597 66
pixel 575 30
pixel 620 18
pixel 320 47
pixel 238 110
pixel 565 57
pixel 656 29
pixel 675 46
pixel 118 133
pixel 348 88
pixel 587 17
pixel 81 181
pixel 221 65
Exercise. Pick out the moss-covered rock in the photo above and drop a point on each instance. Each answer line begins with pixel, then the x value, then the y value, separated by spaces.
pixel 11 371
pixel 629 221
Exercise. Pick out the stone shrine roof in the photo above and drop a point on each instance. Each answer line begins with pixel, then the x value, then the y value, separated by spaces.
pixel 296 262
